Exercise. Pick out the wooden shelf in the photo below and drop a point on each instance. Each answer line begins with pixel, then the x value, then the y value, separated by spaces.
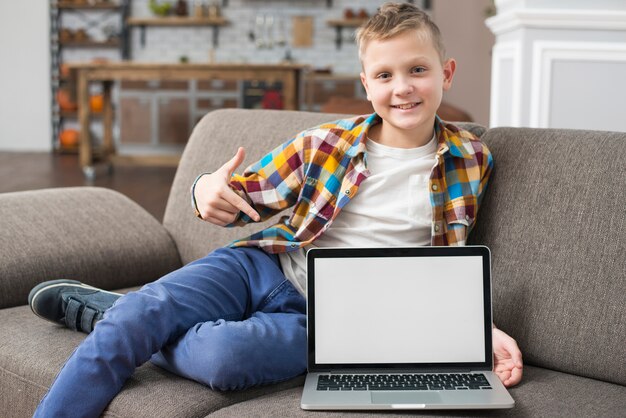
pixel 115 43
pixel 98 6
pixel 170 21
pixel 340 24
pixel 346 23
pixel 74 114
pixel 62 149
pixel 75 150
pixel 164 160
pixel 177 21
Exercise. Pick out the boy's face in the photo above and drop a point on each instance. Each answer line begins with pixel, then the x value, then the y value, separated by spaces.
pixel 405 80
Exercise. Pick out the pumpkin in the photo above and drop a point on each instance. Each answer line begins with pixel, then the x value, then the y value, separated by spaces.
pixel 69 138
pixel 65 102
pixel 96 103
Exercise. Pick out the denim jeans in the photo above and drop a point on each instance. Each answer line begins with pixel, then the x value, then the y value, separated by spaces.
pixel 230 320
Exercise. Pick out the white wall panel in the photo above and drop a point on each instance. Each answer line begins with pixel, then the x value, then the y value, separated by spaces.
pixel 579 85
pixel 506 85
pixel 25 76
pixel 570 64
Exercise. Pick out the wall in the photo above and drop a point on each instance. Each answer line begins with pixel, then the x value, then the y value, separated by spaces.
pixel 164 44
pixel 24 76
pixel 469 42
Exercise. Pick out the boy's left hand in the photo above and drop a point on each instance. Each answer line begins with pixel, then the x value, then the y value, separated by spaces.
pixel 508 363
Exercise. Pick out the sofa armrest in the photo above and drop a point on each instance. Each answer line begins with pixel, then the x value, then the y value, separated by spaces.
pixel 94 235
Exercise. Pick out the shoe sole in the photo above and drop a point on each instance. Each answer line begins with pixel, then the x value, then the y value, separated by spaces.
pixel 36 291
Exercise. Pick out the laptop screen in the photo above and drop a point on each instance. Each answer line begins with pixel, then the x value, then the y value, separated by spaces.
pixel 378 307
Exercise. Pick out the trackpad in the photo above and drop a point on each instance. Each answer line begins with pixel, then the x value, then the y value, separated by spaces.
pixel 419 398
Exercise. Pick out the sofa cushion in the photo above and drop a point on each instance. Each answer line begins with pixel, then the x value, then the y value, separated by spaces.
pixel 32 351
pixel 542 393
pixel 94 235
pixel 554 217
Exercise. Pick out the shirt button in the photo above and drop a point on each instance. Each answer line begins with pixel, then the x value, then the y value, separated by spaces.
pixel 467 218
pixel 435 187
pixel 347 192
pixel 436 228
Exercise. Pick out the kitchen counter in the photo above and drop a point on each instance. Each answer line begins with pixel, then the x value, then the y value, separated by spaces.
pixel 289 75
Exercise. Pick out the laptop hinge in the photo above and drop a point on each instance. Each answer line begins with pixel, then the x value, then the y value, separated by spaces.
pixel 412 371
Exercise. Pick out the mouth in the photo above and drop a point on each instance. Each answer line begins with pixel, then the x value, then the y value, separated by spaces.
pixel 405 106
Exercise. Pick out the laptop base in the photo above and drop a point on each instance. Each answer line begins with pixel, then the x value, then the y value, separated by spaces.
pixel 495 398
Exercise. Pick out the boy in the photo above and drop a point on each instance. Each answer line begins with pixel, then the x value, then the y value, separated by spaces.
pixel 235 318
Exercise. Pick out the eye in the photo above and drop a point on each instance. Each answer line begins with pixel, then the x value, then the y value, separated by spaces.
pixel 383 76
pixel 417 70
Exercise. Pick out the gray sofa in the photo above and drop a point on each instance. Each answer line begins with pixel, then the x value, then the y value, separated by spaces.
pixel 554 218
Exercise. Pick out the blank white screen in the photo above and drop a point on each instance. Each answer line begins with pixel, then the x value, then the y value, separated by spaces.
pixel 399 310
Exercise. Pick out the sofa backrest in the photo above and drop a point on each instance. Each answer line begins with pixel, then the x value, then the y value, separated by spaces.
pixel 555 219
pixel 213 142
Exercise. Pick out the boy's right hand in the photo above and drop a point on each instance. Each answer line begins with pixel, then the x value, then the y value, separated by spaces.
pixel 216 201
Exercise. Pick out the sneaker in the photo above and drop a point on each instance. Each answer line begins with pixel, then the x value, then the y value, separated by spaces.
pixel 70 303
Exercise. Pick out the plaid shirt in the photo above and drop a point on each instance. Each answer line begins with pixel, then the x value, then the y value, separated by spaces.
pixel 319 171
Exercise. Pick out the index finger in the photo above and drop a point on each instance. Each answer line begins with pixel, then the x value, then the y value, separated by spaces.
pixel 241 204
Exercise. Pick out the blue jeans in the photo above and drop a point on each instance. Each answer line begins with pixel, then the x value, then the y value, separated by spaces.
pixel 229 320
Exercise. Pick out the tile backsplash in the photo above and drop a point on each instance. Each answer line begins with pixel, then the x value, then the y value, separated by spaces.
pixel 239 40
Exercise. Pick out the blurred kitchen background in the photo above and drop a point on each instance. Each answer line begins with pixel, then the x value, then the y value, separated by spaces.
pixel 44 39
pixel 535 63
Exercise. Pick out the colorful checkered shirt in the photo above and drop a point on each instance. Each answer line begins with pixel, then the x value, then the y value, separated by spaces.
pixel 319 171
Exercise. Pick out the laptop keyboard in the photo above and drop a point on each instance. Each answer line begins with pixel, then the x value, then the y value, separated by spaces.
pixel 452 381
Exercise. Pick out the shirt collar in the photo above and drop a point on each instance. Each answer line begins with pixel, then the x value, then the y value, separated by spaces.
pixel 360 131
pixel 447 139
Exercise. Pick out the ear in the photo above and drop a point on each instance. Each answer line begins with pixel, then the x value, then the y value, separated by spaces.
pixel 449 67
pixel 364 82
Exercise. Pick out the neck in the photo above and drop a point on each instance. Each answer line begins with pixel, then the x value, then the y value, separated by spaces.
pixel 385 134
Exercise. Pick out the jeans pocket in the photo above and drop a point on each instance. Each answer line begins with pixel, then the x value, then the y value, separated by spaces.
pixel 284 298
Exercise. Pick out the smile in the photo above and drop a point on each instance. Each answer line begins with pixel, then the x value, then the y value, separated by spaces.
pixel 405 106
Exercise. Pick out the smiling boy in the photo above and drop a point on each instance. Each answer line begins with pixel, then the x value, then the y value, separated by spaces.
pixel 236 318
pixel 405 77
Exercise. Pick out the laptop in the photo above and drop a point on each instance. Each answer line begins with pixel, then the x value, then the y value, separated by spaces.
pixel 400 328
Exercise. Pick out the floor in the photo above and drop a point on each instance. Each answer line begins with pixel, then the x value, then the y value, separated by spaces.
pixel 148 186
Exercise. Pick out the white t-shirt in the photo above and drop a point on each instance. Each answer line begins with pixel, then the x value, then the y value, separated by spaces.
pixel 391 208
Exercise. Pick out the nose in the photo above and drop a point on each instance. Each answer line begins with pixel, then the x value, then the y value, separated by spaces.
pixel 402 86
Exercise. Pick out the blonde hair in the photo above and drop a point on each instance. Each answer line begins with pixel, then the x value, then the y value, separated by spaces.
pixel 392 19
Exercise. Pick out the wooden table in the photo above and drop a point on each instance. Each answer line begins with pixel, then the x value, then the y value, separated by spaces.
pixel 289 75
